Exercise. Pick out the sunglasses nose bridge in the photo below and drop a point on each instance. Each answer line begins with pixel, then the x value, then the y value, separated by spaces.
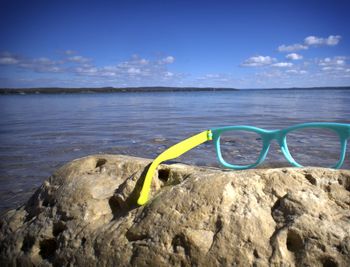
pixel 273 135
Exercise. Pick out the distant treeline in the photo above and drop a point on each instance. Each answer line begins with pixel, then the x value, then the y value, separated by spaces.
pixel 57 90
pixel 309 88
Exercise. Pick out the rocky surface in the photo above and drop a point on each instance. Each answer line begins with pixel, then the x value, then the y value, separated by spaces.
pixel 85 215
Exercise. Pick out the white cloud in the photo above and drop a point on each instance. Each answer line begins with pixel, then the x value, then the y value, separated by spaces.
pixel 295 71
pixel 313 40
pixel 283 64
pixel 310 41
pixel 144 61
pixel 167 60
pixel 78 59
pixel 340 61
pixel 133 70
pixel 8 61
pixel 291 48
pixel 69 52
pixel 41 64
pixel 294 56
pixel 258 61
pixel 7 58
pixel 169 74
pixel 336 66
pixel 335 61
pixel 211 75
pixel 333 68
pixel 43 61
pixel 86 70
pixel 138 71
pixel 332 40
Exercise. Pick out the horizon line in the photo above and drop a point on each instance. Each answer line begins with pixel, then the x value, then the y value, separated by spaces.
pixel 146 89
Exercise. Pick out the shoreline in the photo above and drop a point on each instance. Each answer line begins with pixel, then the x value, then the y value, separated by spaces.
pixel 58 90
pixel 155 89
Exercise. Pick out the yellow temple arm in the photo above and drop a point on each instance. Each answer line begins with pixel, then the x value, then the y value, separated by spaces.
pixel 171 153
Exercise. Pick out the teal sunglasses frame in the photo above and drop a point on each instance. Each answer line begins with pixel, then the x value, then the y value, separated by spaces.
pixel 342 129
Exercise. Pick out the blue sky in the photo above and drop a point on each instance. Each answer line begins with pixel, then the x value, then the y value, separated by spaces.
pixel 242 44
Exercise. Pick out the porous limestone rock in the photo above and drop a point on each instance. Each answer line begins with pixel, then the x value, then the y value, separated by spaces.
pixel 85 214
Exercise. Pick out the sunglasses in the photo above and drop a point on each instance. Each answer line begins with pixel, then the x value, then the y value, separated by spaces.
pixel 293 142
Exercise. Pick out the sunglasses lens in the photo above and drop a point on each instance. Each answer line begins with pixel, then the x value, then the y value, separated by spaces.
pixel 240 147
pixel 314 146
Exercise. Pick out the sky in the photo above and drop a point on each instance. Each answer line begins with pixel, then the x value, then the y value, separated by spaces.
pixel 232 44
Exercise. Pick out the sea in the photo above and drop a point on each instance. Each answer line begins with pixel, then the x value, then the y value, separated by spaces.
pixel 41 132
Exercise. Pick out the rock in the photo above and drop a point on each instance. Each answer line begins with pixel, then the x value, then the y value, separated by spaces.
pixel 85 215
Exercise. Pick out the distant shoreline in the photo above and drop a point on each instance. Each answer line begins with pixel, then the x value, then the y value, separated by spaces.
pixel 58 90
pixel 84 90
